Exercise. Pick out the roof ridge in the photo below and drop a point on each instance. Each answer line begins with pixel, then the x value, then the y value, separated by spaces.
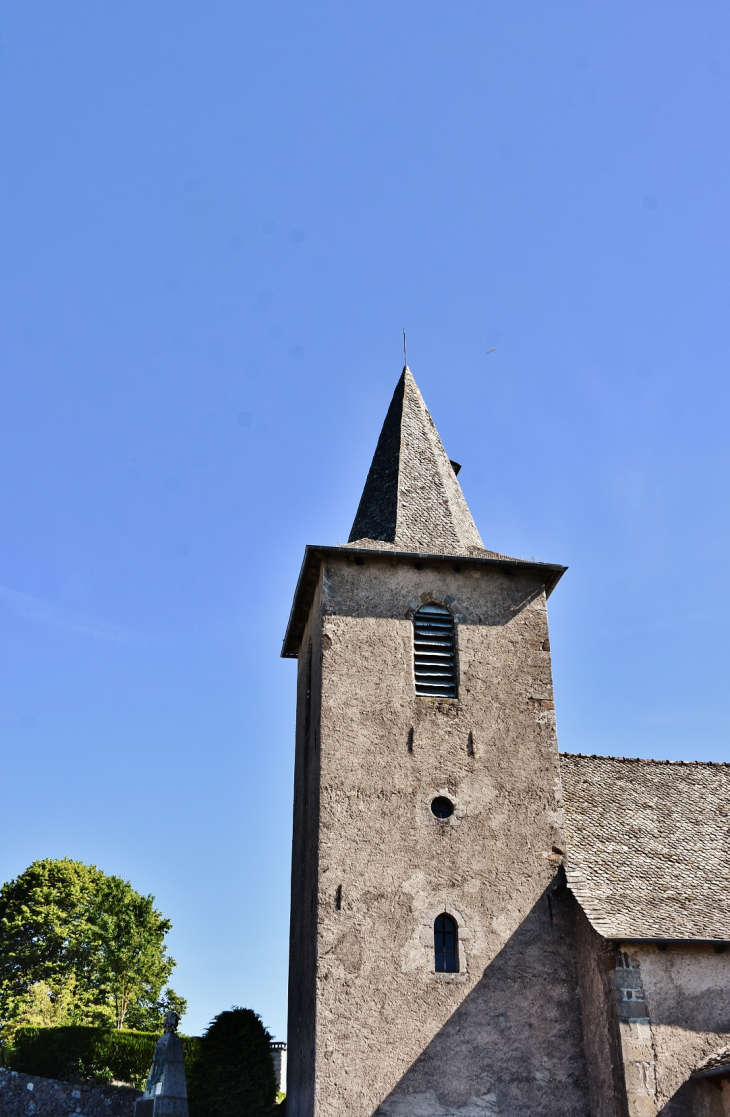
pixel 649 760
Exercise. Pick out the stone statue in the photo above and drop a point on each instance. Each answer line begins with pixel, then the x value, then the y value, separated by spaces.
pixel 166 1093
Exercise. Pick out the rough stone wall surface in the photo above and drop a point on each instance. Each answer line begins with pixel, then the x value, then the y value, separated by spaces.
pixel 674 1012
pixel 25 1095
pixel 700 1097
pixel 301 1034
pixel 513 1045
pixel 502 1036
pixel 602 1041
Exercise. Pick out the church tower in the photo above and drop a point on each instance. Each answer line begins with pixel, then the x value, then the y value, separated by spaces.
pixel 431 964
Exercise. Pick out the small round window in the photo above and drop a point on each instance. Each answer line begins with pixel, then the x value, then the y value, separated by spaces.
pixel 442 807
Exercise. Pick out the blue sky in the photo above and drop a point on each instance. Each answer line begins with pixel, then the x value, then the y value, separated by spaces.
pixel 215 218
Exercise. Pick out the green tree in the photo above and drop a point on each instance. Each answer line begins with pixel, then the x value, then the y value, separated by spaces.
pixel 77 946
pixel 44 1006
pixel 146 1017
pixel 127 957
pixel 42 932
pixel 234 1072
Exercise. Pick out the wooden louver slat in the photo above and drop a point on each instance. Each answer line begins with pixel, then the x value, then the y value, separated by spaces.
pixel 434 652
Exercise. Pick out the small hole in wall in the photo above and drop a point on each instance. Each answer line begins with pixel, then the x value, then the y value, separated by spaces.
pixel 470 744
pixel 410 739
pixel 442 807
pixel 457 567
pixel 338 898
pixel 418 565
pixel 359 561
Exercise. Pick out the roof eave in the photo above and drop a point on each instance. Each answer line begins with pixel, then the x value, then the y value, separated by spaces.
pixel 660 940
pixel 313 556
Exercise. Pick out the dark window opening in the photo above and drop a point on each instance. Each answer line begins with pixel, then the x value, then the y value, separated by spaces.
pixel 445 944
pixel 442 807
pixel 434 652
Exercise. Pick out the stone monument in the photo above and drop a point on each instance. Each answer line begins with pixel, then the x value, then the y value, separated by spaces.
pixel 166 1094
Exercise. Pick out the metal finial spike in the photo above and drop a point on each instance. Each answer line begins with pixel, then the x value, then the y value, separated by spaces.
pixel 405 351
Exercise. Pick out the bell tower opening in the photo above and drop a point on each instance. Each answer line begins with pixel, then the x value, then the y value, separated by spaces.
pixel 434 652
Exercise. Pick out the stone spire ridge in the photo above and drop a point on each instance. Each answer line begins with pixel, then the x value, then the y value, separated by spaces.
pixel 412 499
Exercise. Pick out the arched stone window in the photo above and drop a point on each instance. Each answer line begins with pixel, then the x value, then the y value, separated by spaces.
pixel 434 652
pixel 445 944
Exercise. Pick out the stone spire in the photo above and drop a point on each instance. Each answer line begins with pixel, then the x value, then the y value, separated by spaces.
pixel 412 499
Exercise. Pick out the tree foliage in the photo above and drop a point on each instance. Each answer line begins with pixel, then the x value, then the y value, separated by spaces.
pixel 46 1006
pixel 80 947
pixel 234 1071
pixel 124 945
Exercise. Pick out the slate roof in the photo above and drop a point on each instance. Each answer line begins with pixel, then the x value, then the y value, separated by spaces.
pixel 717 1064
pixel 648 846
pixel 412 499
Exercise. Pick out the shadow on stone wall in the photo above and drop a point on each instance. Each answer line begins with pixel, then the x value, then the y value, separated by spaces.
pixel 693 992
pixel 687 999
pixel 514 1047
pixel 700 1097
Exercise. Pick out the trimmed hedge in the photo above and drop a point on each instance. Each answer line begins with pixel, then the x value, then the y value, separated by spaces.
pixel 100 1053
pixel 234 1073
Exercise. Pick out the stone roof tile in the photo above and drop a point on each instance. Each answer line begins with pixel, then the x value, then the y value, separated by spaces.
pixel 412 498
pixel 648 845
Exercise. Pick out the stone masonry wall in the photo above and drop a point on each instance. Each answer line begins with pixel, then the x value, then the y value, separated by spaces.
pixel 700 1097
pixel 301 1033
pixel 503 1036
pixel 596 961
pixel 674 1012
pixel 26 1095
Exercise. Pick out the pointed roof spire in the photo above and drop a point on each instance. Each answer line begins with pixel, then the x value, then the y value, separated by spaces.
pixel 412 499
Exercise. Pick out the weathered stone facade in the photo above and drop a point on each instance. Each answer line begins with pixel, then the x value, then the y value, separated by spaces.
pixel 654 1015
pixel 386 867
pixel 542 1015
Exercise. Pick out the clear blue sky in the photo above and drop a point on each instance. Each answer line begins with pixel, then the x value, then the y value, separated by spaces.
pixel 215 219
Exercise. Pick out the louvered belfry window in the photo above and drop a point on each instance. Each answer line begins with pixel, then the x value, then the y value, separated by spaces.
pixel 434 652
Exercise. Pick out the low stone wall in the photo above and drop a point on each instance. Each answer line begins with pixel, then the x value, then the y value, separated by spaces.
pixel 25 1095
